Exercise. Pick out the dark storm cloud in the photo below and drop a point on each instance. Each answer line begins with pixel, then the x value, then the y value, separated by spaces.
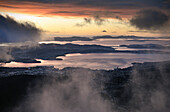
pixel 13 31
pixel 150 19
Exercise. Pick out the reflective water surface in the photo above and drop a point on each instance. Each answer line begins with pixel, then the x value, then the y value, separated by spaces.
pixel 101 60
pixel 95 60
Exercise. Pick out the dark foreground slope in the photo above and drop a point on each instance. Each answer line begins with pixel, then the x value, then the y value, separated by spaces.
pixel 143 87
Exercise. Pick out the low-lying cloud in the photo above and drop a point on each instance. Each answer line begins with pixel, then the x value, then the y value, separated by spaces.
pixel 150 19
pixel 14 31
pixel 144 88
pixel 5 54
pixel 76 94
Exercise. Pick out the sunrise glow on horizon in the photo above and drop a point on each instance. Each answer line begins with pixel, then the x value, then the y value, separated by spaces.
pixel 68 19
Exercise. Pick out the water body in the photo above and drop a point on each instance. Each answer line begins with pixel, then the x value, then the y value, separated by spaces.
pixel 95 60
pixel 115 43
pixel 101 60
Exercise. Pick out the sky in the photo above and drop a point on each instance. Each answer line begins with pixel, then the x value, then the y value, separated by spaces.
pixel 92 17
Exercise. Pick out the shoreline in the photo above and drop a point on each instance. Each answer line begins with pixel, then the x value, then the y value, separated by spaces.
pixel 44 69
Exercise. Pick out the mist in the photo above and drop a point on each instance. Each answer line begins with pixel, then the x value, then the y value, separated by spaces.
pixel 150 89
pixel 79 90
pixel 15 31
pixel 5 54
pixel 76 94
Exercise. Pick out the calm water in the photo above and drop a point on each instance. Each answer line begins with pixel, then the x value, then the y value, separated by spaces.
pixel 100 60
pixel 95 60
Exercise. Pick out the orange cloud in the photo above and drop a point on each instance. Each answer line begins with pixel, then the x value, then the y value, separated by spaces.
pixel 47 9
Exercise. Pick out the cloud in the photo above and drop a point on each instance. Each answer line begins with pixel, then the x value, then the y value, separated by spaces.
pixel 80 24
pixel 150 19
pixel 5 54
pixel 104 31
pixel 138 31
pixel 118 17
pixel 88 7
pixel 75 94
pixel 113 32
pixel 98 20
pixel 87 20
pixel 102 3
pixel 14 31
